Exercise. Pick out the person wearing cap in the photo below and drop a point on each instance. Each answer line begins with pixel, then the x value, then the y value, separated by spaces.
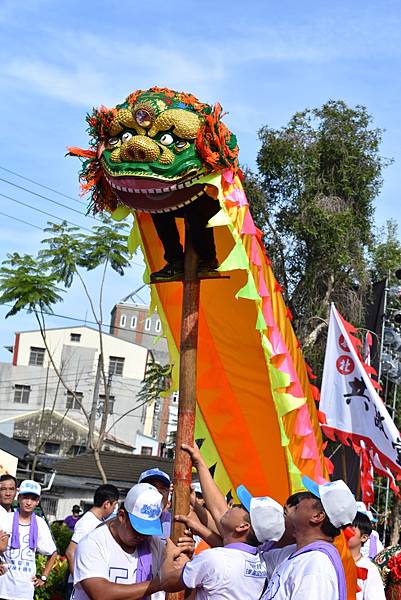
pixel 73 518
pixel 162 482
pixel 104 503
pixel 314 570
pixel 29 534
pixel 373 545
pixel 121 559
pixel 371 588
pixel 236 570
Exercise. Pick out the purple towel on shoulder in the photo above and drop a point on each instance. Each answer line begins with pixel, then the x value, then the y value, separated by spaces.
pixel 144 569
pixel 331 552
pixel 33 532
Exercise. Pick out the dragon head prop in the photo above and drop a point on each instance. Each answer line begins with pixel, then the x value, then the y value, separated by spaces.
pixel 151 152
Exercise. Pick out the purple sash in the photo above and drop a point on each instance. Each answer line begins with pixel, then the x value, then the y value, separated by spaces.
pixel 33 532
pixel 372 546
pixel 243 547
pixel 331 552
pixel 144 569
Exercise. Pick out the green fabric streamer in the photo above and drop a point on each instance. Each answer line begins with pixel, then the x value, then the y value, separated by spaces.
pixel 120 213
pixel 237 259
pixel 249 290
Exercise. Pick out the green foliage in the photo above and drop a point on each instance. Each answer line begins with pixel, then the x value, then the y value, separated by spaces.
pixel 155 382
pixel 55 587
pixel 62 536
pixel 25 283
pixel 318 178
pixel 30 282
pixel 386 255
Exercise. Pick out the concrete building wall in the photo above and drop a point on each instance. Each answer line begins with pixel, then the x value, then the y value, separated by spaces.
pixel 25 388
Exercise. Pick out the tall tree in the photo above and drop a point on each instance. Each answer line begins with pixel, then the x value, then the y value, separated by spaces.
pixel 35 284
pixel 313 198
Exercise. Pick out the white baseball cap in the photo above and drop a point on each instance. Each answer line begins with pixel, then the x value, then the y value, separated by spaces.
pixel 28 486
pixel 267 515
pixel 144 506
pixel 337 499
pixel 361 507
pixel 157 474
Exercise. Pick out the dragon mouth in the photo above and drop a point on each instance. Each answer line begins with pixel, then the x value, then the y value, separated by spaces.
pixel 153 195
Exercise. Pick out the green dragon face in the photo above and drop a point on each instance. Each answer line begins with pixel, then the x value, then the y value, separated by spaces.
pixel 150 152
pixel 150 159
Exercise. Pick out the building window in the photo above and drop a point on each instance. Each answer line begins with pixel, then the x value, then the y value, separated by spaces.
pixel 37 356
pixel 76 449
pixel 49 505
pixel 51 448
pixel 116 365
pixel 158 326
pixel 74 400
pixel 147 450
pixel 75 337
pixel 123 320
pixel 148 324
pixel 21 393
pixel 134 321
pixel 100 404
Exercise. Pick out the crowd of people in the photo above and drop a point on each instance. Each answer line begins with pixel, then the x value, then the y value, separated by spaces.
pixel 256 549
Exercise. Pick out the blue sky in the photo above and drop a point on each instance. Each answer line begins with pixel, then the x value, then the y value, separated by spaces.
pixel 262 60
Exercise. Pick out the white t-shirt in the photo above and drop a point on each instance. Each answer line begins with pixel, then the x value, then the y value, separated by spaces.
pixel 3 518
pixel 308 576
pixel 365 550
pixel 16 583
pixel 99 555
pixel 274 557
pixel 371 587
pixel 225 574
pixel 87 523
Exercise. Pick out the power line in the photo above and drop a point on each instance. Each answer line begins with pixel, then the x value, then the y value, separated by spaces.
pixel 45 213
pixel 50 314
pixel 20 220
pixel 20 187
pixel 45 187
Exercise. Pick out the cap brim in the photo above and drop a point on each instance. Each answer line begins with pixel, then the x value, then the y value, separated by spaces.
pixel 145 526
pixel 159 477
pixel 311 486
pixel 28 492
pixel 244 496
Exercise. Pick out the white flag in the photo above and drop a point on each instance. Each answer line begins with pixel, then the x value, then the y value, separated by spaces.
pixel 350 402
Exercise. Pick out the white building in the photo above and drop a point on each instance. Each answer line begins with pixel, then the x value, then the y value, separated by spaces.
pixel 130 321
pixel 30 383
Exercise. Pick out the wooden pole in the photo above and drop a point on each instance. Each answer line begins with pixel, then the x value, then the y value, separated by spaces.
pixel 187 398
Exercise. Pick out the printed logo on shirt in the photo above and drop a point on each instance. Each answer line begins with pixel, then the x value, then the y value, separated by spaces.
pixel 272 588
pixel 117 574
pixel 255 569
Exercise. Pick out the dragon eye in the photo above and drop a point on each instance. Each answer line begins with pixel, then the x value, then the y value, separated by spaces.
pixel 180 144
pixel 166 139
pixel 126 136
pixel 113 141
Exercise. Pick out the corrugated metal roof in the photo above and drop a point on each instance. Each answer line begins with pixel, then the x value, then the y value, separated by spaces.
pixel 117 466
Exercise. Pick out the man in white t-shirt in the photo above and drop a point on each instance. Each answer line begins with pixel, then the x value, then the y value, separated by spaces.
pixel 121 559
pixel 235 571
pixel 371 588
pixel 28 534
pixel 104 503
pixel 314 570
